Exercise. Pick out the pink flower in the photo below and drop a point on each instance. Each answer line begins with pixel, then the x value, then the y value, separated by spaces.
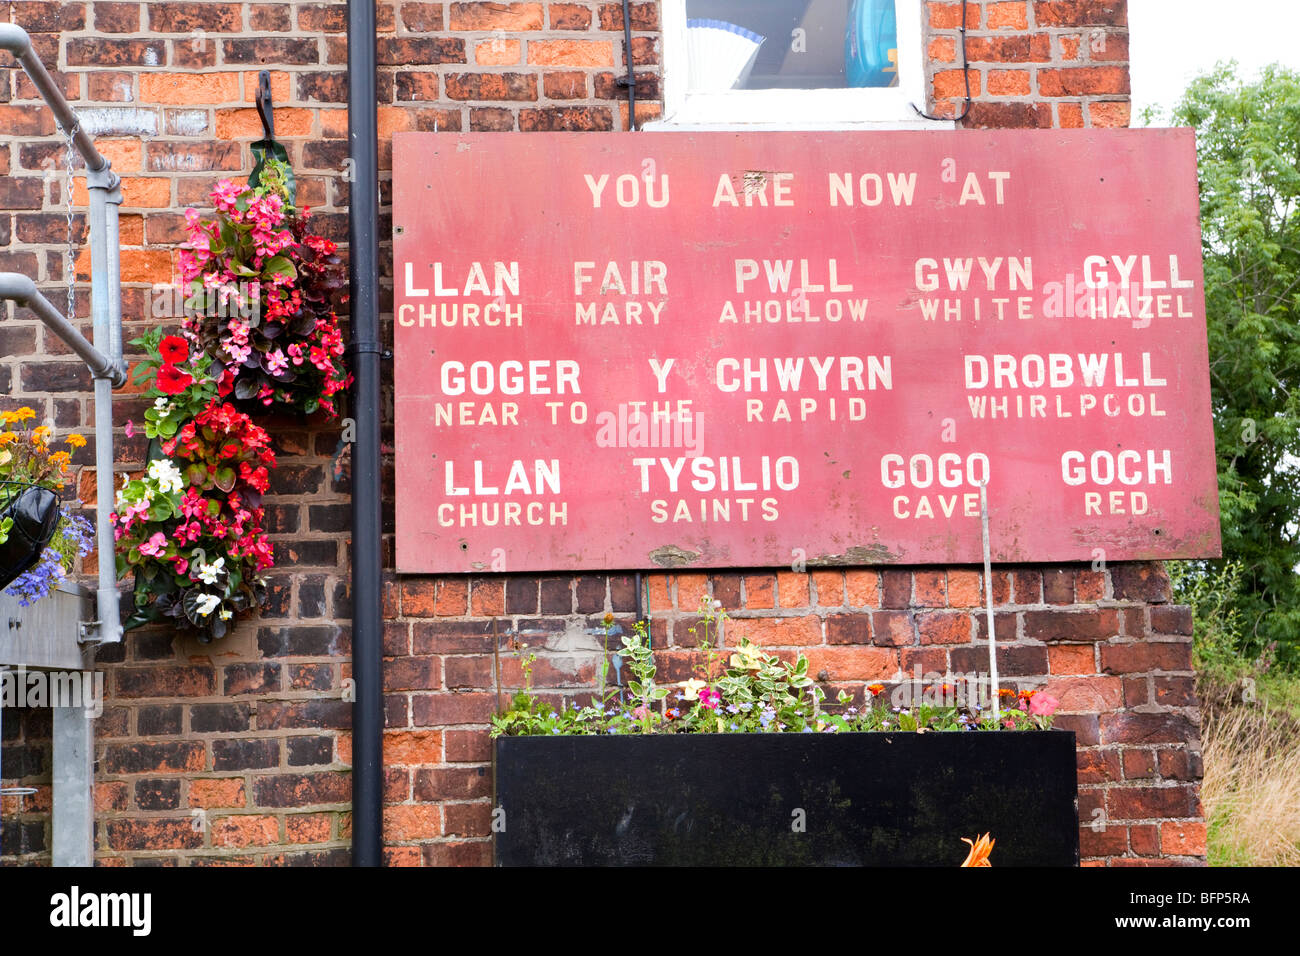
pixel 155 545
pixel 130 428
pixel 639 713
pixel 709 698
pixel 1043 705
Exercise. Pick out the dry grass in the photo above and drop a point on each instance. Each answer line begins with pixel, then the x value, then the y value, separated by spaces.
pixel 1251 790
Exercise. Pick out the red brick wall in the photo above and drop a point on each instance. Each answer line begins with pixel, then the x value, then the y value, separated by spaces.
pixel 239 752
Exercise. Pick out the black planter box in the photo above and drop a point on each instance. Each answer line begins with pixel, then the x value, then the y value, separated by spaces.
pixel 786 799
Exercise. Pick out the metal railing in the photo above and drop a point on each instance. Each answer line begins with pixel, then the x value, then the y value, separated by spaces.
pixel 104 356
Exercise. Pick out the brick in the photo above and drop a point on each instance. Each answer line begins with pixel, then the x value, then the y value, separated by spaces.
pixel 1145 803
pixel 247 124
pixel 1009 83
pixel 440 710
pixel 498 52
pixel 453 783
pixel 269 16
pixel 416 17
pixel 964 589
pixel 776 632
pixel 1077 626
pixel 1009 116
pixel 1077 13
pixel 510 17
pixel 1116 115
pixel 1006 16
pixel 522 595
pixel 295 790
pixel 1098 766
pixel 852 629
pixel 862 588
pixel 1071 659
pixel 467 746
pixel 931 589
pixel 896 589
pixel 158 794
pixel 1138 764
pixel 173 157
pixel 469 853
pixel 645 16
pixel 1069 115
pixel 153 834
pixel 1083 81
pixel 173 757
pixel 309 751
pixel 102 53
pixel 412 747
pixel 1086 729
pixel 1127 728
pixel 760 591
pixel 948 16
pixel 792 589
pixel 944 627
pixel 1087 694
pixel 420 51
pixel 1178 764
pixel 217 792
pixel 184 89
pixel 243 753
pixel 1175 691
pixel 829 586
pixel 487 598
pixel 1171 619
pixel 468 819
pixel 219 718
pixel 110 796
pixel 586 53
pixel 245 830
pixel 1144 840
pixel 1111 841
pixel 952 83
pixel 1023 661
pixel 273 51
pixel 852 663
pixel 188 17
pixel 1144 656
pixel 1182 838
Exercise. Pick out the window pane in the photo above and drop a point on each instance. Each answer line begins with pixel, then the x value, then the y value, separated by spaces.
pixel 791 44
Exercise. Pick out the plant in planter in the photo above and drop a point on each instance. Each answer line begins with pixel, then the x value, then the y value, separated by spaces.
pixel 258 260
pixel 744 765
pixel 31 519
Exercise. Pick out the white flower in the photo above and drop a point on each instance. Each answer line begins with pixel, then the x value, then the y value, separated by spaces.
pixel 166 474
pixel 207 604
pixel 208 572
pixel 162 404
pixel 225 615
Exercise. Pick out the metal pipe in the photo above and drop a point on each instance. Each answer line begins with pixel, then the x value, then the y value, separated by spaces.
pixel 15 39
pixel 114 200
pixel 365 350
pixel 631 73
pixel 22 290
pixel 102 267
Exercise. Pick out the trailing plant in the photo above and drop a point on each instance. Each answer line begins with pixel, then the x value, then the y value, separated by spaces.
pixel 265 287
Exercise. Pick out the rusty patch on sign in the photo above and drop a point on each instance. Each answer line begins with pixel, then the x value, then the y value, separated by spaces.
pixel 671 556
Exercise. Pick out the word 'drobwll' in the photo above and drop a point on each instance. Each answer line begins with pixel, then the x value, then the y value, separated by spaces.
pixel 873 326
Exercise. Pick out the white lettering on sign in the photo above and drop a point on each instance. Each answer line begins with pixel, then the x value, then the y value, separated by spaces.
pixel 510 377
pixel 1105 467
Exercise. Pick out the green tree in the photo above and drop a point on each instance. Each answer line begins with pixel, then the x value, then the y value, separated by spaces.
pixel 1248 145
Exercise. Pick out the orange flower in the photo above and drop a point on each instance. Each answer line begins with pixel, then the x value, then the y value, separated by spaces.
pixel 979 851
pixel 875 689
pixel 1006 692
pixel 76 441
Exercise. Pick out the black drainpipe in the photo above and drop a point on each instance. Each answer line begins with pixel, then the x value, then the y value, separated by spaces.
pixel 365 349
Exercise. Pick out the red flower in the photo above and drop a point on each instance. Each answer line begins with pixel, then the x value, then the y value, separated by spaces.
pixel 227 383
pixel 173 349
pixel 172 381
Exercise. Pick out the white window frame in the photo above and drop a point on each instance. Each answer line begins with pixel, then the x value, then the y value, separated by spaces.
pixel 869 108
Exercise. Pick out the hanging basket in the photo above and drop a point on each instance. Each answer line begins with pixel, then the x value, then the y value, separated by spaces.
pixel 35 514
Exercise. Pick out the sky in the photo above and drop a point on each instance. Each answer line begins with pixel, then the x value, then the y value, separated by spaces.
pixel 1171 41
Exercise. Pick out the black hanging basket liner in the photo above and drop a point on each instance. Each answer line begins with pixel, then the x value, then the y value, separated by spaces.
pixel 35 511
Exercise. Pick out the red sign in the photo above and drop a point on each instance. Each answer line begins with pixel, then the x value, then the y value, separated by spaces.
pixel 735 349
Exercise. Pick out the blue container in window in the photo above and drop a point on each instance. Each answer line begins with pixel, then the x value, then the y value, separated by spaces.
pixel 871 44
